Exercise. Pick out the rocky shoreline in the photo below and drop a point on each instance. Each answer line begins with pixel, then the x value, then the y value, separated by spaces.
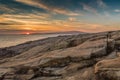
pixel 72 57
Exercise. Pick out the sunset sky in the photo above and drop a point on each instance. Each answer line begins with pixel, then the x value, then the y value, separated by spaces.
pixel 39 16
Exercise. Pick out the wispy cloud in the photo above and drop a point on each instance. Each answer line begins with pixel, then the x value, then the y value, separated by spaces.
pixel 72 19
pixel 101 4
pixel 9 9
pixel 10 23
pixel 49 8
pixel 117 10
pixel 88 8
pixel 5 8
pixel 32 18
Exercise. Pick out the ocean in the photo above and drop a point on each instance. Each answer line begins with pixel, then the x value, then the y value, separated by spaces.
pixel 12 40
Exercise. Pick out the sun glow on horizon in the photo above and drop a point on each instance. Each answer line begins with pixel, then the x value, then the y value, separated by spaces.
pixel 27 33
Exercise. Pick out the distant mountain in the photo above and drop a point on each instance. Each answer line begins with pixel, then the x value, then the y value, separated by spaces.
pixel 64 32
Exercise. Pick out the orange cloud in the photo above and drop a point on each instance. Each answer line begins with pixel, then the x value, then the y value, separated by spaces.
pixel 36 23
pixel 2 19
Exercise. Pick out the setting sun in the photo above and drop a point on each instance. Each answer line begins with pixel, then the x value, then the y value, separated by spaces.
pixel 27 33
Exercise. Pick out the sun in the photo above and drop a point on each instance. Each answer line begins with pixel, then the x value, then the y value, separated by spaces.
pixel 27 33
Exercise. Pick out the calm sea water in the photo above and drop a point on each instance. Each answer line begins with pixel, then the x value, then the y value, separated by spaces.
pixel 11 40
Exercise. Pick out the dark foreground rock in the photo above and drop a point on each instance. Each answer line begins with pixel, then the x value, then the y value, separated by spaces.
pixel 75 57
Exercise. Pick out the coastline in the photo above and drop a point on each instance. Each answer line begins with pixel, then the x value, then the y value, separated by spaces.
pixel 19 48
pixel 13 40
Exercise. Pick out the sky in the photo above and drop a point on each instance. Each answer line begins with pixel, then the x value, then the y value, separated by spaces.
pixel 41 16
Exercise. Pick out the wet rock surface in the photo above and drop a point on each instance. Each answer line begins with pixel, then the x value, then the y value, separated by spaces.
pixel 74 57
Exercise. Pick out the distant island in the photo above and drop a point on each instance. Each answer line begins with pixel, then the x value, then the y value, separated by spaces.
pixel 61 32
